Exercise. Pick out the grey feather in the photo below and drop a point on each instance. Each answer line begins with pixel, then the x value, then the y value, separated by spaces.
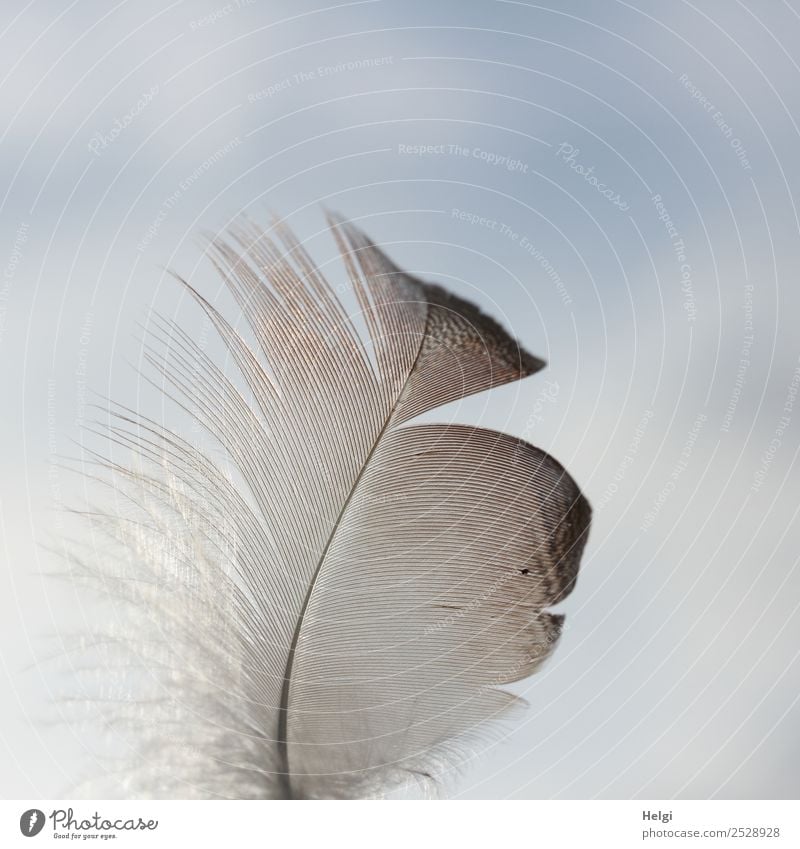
pixel 338 614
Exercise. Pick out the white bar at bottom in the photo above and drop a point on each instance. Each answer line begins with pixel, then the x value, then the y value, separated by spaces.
pixel 406 825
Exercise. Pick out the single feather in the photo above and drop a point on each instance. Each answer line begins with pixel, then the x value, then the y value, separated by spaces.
pixel 336 617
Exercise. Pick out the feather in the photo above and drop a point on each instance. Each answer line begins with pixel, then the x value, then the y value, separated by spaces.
pixel 328 606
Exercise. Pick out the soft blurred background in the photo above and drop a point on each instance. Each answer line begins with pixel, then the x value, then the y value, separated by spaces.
pixel 615 182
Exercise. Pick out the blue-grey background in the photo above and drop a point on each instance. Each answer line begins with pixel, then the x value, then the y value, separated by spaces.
pixel 673 350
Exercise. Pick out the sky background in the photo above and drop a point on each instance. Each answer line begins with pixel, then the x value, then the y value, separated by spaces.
pixel 615 182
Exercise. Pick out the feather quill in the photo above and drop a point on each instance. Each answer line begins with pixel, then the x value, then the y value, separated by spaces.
pixel 332 610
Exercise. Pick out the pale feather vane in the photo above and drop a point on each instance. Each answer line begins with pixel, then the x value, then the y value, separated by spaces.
pixel 336 617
